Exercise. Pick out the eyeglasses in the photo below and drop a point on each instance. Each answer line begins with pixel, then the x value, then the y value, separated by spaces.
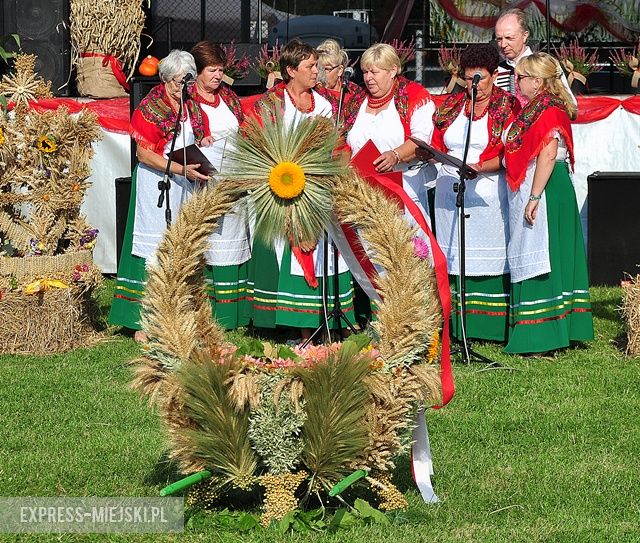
pixel 331 68
pixel 521 77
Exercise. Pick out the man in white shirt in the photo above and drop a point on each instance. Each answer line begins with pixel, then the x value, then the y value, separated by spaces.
pixel 512 33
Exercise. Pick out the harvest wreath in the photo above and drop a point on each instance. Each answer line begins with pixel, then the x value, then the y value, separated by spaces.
pixel 46 268
pixel 292 421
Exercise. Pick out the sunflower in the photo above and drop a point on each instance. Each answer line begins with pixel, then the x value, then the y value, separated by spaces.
pixel 46 144
pixel 286 180
pixel 289 173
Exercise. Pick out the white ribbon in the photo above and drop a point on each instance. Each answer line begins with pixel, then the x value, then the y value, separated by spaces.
pixel 337 235
pixel 421 462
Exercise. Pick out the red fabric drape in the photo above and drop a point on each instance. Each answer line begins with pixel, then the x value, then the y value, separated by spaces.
pixel 113 114
pixel 583 15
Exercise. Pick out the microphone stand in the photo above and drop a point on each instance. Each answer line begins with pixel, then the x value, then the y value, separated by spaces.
pixel 336 312
pixel 165 183
pixel 466 350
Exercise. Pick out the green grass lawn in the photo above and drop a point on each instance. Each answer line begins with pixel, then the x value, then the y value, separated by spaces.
pixel 544 449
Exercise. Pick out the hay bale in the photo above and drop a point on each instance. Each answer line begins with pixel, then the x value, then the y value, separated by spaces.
pixel 631 314
pixel 51 321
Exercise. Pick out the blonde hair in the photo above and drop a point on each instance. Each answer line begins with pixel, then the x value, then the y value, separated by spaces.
pixel 548 69
pixel 330 52
pixel 381 55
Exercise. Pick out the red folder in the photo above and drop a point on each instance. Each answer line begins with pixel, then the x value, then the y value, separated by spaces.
pixel 363 163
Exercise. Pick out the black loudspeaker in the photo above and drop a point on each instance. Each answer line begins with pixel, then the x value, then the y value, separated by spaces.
pixel 43 29
pixel 613 234
pixel 123 194
pixel 140 87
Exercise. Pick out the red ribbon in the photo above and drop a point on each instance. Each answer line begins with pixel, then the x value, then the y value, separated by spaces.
pixel 116 67
pixel 305 259
pixel 390 186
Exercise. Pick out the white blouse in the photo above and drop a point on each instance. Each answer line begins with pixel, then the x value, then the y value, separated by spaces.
pixel 386 131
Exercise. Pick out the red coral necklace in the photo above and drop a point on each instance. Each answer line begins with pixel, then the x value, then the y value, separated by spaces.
pixel 377 103
pixel 213 103
pixel 295 104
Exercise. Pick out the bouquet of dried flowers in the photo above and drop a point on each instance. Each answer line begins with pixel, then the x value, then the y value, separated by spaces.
pixel 236 67
pixel 406 51
pixel 449 60
pixel 268 64
pixel 576 62
pixel 627 63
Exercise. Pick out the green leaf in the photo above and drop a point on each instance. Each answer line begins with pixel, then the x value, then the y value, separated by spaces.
pixel 251 347
pixel 342 519
pixel 247 522
pixel 299 526
pixel 287 521
pixel 368 512
pixel 284 351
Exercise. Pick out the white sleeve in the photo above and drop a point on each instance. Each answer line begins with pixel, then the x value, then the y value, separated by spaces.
pixel 422 122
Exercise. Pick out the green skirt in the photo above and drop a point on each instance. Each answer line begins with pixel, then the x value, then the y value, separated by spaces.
pixel 487 305
pixel 283 299
pixel 226 285
pixel 550 311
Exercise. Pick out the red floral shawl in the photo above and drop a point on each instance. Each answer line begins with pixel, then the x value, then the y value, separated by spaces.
pixel 408 96
pixel 229 97
pixel 502 109
pixel 333 96
pixel 532 131
pixel 152 122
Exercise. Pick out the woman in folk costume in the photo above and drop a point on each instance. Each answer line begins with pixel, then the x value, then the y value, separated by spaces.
pixel 332 62
pixel 288 279
pixel 550 303
pixel 388 112
pixel 151 127
pixel 486 199
pixel 227 259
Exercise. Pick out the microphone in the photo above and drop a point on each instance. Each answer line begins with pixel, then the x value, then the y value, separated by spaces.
pixel 347 75
pixel 185 92
pixel 476 79
pixel 187 77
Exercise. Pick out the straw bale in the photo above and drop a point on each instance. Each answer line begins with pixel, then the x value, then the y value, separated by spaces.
pixel 56 320
pixel 631 314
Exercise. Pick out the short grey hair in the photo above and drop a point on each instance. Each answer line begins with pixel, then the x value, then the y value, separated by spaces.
pixel 520 16
pixel 175 63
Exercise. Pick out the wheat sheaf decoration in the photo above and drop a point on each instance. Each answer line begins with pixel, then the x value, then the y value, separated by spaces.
pixel 272 419
pixel 289 173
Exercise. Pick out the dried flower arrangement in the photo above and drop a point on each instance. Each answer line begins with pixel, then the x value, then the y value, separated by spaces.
pixel 406 50
pixel 449 61
pixel 237 67
pixel 292 421
pixel 267 64
pixel 628 63
pixel 46 269
pixel 576 62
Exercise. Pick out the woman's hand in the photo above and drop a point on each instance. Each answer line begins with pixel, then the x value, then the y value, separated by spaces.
pixel 531 211
pixel 385 162
pixel 192 174
pixel 207 142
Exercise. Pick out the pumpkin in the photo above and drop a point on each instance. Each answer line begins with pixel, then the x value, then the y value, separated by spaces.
pixel 148 68
pixel 151 59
